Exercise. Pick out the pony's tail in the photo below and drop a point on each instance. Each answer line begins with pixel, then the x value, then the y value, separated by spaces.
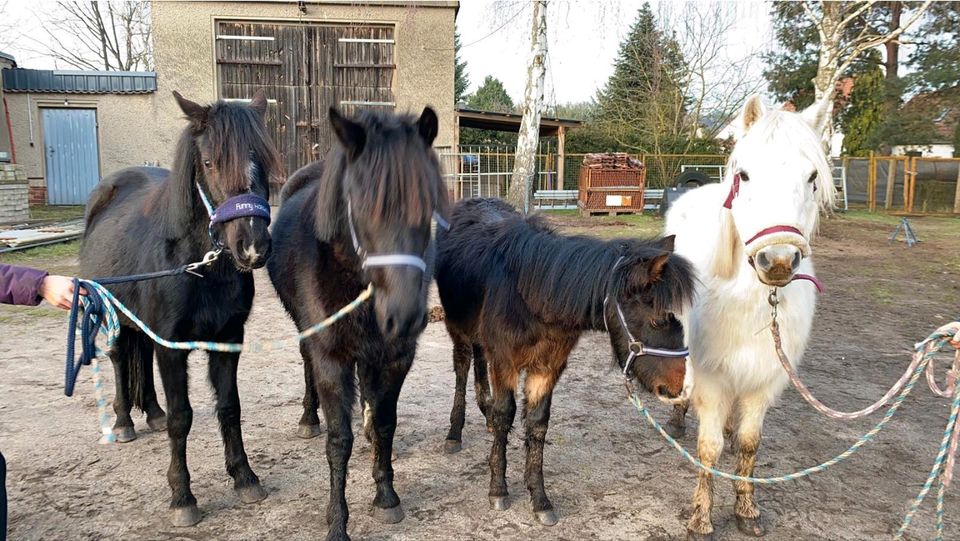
pixel 139 350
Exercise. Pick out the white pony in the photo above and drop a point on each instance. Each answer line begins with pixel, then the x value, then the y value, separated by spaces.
pixel 747 236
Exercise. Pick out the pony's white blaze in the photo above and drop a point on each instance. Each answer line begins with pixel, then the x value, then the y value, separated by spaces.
pixel 772 214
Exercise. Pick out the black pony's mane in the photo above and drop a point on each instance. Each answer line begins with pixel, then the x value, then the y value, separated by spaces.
pixel 565 279
pixel 233 132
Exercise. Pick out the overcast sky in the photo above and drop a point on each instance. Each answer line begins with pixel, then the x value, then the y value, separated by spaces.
pixel 583 38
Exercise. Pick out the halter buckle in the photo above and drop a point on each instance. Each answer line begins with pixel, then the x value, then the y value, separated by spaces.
pixel 636 348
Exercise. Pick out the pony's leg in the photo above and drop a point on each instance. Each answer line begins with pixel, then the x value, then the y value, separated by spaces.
pixel 538 391
pixel 309 425
pixel 712 409
pixel 336 390
pixel 461 367
pixel 753 409
pixel 156 417
pixel 481 383
pixel 122 357
pixel 381 386
pixel 677 425
pixel 173 373
pixel 222 370
pixel 503 408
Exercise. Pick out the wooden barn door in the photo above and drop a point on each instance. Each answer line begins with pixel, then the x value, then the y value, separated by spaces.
pixel 304 70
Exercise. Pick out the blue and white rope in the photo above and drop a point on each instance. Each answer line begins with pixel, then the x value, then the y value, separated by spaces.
pixel 929 347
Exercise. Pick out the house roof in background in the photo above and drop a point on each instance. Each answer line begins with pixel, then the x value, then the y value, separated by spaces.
pixel 9 58
pixel 79 82
pixel 941 108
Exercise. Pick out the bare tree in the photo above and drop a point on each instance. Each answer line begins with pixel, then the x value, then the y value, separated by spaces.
pixel 525 164
pixel 8 26
pixel 842 42
pixel 108 35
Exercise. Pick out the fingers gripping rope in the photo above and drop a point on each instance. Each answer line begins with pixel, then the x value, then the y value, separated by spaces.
pixel 941 471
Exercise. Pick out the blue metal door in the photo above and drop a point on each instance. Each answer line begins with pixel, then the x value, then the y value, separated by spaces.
pixel 71 155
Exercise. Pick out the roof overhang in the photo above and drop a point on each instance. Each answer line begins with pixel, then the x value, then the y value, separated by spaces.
pixel 509 122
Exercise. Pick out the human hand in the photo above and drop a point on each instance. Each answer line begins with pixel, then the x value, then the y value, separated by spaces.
pixel 58 291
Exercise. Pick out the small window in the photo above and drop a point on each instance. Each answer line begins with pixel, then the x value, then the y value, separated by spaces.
pixel 943 114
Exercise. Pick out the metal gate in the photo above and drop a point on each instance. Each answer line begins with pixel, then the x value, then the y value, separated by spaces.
pixel 71 155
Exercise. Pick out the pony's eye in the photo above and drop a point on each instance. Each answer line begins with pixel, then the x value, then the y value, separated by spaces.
pixel 813 177
pixel 744 176
pixel 207 164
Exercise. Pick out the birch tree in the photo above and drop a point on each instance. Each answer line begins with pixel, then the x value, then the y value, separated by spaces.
pixel 525 164
pixel 840 47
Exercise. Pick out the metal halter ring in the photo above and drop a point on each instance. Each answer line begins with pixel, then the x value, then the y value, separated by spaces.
pixel 636 348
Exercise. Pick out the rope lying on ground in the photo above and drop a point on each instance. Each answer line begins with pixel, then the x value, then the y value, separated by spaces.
pixel 941 472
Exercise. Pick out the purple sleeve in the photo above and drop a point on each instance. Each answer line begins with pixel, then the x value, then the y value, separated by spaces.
pixel 20 285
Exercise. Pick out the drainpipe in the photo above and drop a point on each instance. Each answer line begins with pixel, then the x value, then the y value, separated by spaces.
pixel 13 146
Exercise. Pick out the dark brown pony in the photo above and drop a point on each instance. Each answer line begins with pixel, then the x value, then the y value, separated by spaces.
pixel 146 219
pixel 361 217
pixel 518 296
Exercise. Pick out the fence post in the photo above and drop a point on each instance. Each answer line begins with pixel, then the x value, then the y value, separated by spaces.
pixel 909 194
pixel 956 197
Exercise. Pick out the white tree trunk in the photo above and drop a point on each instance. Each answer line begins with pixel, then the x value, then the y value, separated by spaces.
pixel 828 64
pixel 525 165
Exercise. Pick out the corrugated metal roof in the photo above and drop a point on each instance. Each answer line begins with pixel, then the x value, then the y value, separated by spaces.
pixel 79 82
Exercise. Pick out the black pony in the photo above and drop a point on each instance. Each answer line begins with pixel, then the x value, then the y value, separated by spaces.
pixel 518 296
pixel 145 219
pixel 363 216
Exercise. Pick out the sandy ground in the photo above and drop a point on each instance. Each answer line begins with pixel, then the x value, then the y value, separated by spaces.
pixel 608 473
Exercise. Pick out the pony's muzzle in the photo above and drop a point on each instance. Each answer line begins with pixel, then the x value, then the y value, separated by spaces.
pixel 249 242
pixel 776 264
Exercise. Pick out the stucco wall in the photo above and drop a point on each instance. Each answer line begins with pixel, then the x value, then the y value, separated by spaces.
pixel 4 129
pixel 184 52
pixel 125 129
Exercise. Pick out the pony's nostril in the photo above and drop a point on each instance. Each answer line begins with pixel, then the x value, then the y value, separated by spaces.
pixel 662 390
pixel 796 261
pixel 390 325
pixel 762 260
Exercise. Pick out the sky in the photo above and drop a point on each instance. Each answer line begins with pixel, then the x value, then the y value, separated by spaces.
pixel 582 35
pixel 582 41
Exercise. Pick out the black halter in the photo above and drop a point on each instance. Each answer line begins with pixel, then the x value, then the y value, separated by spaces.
pixel 636 347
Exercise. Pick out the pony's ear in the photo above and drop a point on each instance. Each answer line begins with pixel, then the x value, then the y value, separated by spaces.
pixel 259 103
pixel 668 242
pixel 647 271
pixel 753 110
pixel 816 115
pixel 196 113
pixel 729 249
pixel 427 125
pixel 350 134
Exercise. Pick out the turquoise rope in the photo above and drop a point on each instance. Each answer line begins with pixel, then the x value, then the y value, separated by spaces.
pixel 935 472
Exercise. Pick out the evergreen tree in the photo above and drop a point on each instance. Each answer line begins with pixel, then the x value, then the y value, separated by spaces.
pixel 490 96
pixel 864 113
pixel 642 105
pixel 936 60
pixel 461 80
pixel 793 65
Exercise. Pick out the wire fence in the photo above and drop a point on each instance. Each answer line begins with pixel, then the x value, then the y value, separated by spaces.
pixel 912 184
pixel 893 183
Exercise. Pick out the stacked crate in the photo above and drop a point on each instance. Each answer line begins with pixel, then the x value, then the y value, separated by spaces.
pixel 611 183
pixel 14 206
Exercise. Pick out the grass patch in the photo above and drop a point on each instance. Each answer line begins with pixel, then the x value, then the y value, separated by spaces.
pixel 56 213
pixel 52 257
pixel 882 293
pixel 29 314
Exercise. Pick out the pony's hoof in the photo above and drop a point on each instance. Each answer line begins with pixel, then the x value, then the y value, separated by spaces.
pixel 697 536
pixel 499 503
pixel 675 431
pixel 308 431
pixel 547 517
pixel 751 526
pixel 125 434
pixel 183 517
pixel 452 446
pixel 157 424
pixel 252 494
pixel 392 515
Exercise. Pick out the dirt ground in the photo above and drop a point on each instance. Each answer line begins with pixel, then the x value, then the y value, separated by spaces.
pixel 608 473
